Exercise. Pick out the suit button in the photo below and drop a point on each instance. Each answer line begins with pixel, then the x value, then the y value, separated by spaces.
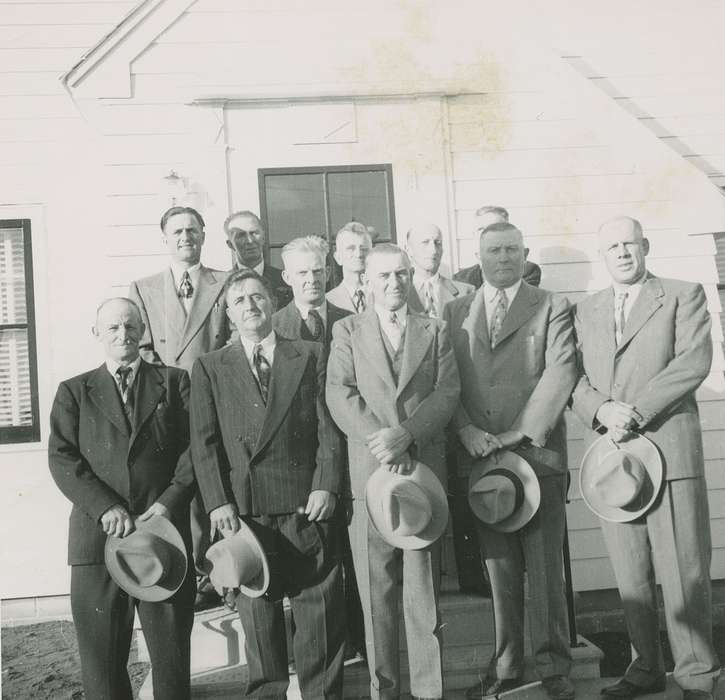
pixel 240 438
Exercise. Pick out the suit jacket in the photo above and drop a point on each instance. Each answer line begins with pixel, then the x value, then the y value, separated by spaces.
pixel 448 291
pixel 473 275
pixel 173 338
pixel 525 382
pixel 266 459
pixel 363 396
pixel 340 298
pixel 98 463
pixel 664 355
pixel 288 321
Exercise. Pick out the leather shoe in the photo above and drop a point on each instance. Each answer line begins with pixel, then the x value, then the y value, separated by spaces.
pixel 624 690
pixel 558 687
pixel 693 694
pixel 490 687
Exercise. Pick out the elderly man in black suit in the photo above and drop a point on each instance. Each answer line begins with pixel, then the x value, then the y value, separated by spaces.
pixel 117 450
pixel 266 449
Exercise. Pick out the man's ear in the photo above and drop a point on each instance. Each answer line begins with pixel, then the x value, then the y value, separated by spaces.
pixel 94 331
pixel 230 245
pixel 285 277
pixel 645 246
pixel 526 253
pixel 336 255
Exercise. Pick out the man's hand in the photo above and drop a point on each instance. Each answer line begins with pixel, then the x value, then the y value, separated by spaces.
pixel 403 465
pixel 224 520
pixel 320 505
pixel 387 444
pixel 618 418
pixel 510 438
pixel 117 522
pixel 478 443
pixel 156 509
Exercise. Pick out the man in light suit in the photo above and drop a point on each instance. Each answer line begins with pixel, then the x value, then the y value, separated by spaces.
pixel 184 313
pixel 117 450
pixel 310 316
pixel 265 449
pixel 392 387
pixel 352 245
pixel 245 238
pixel 515 349
pixel 645 347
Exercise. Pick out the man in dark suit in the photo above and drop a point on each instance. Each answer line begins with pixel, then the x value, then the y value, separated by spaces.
pixel 485 216
pixel 183 310
pixel 246 237
pixel 117 450
pixel 265 449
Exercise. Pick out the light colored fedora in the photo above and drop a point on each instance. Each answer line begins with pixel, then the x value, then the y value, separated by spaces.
pixel 503 491
pixel 239 561
pixel 620 481
pixel 149 564
pixel 409 511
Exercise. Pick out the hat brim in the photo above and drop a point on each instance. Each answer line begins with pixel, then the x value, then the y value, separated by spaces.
pixel 530 482
pixel 646 451
pixel 425 478
pixel 163 528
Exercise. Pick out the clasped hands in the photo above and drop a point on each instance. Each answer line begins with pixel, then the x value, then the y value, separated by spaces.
pixel 117 521
pixel 620 419
pixel 390 447
pixel 479 443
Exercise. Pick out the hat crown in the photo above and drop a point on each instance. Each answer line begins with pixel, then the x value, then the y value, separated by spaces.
pixel 498 494
pixel 619 478
pixel 407 508
pixel 145 558
pixel 234 563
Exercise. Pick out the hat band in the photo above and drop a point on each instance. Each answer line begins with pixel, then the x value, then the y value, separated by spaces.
pixel 518 485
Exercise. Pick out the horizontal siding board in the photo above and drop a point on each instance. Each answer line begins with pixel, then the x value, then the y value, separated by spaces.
pixel 50 13
pixel 34 107
pixel 684 125
pixel 140 179
pixel 668 84
pixel 32 60
pixel 57 37
pixel 41 130
pixel 673 105
pixel 146 149
pixel 39 84
pixel 511 107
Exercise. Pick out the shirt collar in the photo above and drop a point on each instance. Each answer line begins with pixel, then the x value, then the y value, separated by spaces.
pixel 178 271
pixel 259 269
pixel 420 281
pixel 352 289
pixel 633 288
pixel 384 314
pixel 268 345
pixel 112 366
pixel 490 291
pixel 305 309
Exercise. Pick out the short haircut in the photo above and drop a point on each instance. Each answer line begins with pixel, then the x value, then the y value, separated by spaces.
pixel 306 244
pixel 420 225
pixel 498 211
pixel 130 302
pixel 502 226
pixel 239 276
pixel 617 219
pixel 244 212
pixel 173 211
pixel 386 249
pixel 354 227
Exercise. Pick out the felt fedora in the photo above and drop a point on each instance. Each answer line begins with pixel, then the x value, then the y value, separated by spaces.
pixel 620 481
pixel 409 511
pixel 503 491
pixel 239 561
pixel 149 564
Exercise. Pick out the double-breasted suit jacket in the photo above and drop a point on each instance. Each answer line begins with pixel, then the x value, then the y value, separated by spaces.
pixel 172 336
pixel 523 384
pixel 663 356
pixel 98 461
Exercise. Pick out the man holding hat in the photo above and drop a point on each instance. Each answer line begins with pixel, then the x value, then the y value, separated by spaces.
pixel 645 348
pixel 266 450
pixel 392 386
pixel 117 450
pixel 515 349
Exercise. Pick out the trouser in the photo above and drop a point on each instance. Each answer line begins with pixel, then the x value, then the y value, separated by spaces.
pixel 103 615
pixel 377 566
pixel 304 561
pixel 355 626
pixel 200 534
pixel 467 551
pixel 672 541
pixel 537 548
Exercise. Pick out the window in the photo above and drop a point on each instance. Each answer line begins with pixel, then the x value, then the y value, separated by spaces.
pixel 19 421
pixel 321 200
pixel 720 262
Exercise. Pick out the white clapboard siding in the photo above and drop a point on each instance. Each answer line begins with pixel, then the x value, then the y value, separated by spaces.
pixel 31 13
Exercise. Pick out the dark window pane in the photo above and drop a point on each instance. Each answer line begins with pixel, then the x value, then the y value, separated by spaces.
pixel 359 196
pixel 12 276
pixel 15 396
pixel 295 207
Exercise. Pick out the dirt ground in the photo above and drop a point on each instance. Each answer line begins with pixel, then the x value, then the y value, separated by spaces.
pixel 41 662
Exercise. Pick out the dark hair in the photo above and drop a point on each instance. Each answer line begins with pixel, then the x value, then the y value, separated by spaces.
pixel 173 211
pixel 244 212
pixel 239 276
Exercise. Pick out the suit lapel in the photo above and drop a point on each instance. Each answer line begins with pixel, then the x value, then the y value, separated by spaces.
pixel 206 294
pixel 647 304
pixel 604 323
pixel 521 310
pixel 149 392
pixel 334 314
pixel 418 338
pixel 287 370
pixel 448 291
pixel 239 373
pixel 476 323
pixel 172 313
pixel 289 322
pixel 368 337
pixel 104 394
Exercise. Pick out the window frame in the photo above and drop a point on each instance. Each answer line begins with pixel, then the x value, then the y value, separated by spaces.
pixel 324 170
pixel 17 434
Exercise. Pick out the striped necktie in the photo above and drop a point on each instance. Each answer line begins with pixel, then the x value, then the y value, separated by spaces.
pixel 619 319
pixel 263 369
pixel 358 301
pixel 429 301
pixel 499 314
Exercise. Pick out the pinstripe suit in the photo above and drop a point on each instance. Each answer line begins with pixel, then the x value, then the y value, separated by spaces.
pixel 267 459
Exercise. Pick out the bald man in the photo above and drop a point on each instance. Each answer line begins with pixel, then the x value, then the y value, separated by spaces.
pixel 645 347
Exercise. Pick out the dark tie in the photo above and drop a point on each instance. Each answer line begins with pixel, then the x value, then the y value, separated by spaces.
pixel 499 313
pixel 358 301
pixel 124 377
pixel 315 326
pixel 186 288
pixel 261 365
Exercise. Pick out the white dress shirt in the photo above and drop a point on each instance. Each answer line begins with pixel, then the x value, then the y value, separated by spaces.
pixel 632 291
pixel 177 272
pixel 305 309
pixel 390 332
pixel 268 345
pixel 434 282
pixel 490 297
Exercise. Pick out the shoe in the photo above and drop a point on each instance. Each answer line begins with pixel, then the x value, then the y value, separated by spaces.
pixel 624 690
pixel 558 688
pixel 490 687
pixel 693 694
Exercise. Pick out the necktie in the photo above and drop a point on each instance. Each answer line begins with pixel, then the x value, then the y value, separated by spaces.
pixel 395 332
pixel 358 301
pixel 499 313
pixel 429 302
pixel 186 288
pixel 261 365
pixel 315 325
pixel 124 380
pixel 619 315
